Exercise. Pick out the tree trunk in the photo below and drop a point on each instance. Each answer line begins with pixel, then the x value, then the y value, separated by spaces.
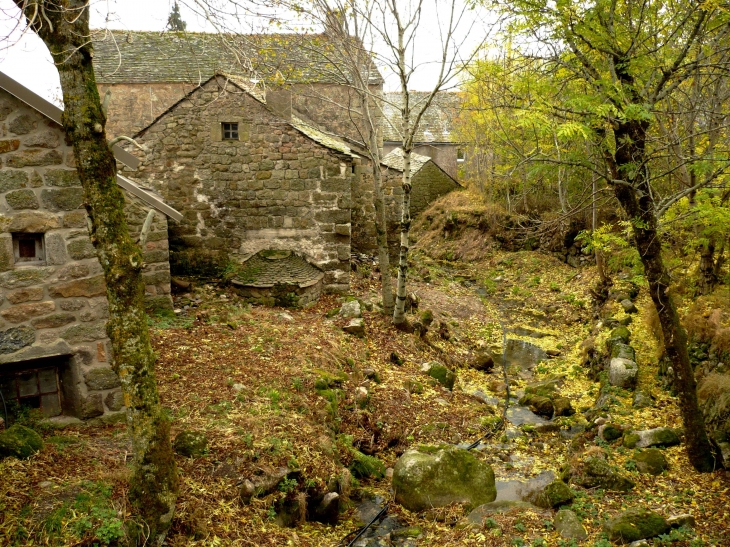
pixel 399 315
pixel 381 230
pixel 64 27
pixel 635 197
pixel 708 278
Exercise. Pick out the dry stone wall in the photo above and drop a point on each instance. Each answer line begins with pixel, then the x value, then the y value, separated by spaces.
pixel 272 188
pixel 53 306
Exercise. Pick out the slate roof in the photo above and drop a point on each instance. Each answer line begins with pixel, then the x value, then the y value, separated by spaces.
pixel 268 268
pixel 193 57
pixel 394 160
pixel 437 123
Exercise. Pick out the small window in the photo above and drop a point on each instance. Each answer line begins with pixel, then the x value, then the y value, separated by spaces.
pixel 29 249
pixel 460 155
pixel 230 131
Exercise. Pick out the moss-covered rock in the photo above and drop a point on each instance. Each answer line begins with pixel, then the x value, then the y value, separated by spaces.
pixel 544 388
pixel 542 406
pixel 635 524
pixel 611 432
pixel 563 407
pixel 623 351
pixel 190 444
pixel 595 472
pixel 435 477
pixel 555 494
pixel 659 436
pixel 20 442
pixel 651 461
pixel 443 375
pixel 569 526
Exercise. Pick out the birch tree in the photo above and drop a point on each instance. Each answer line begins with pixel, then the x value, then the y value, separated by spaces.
pixel 396 25
pixel 63 25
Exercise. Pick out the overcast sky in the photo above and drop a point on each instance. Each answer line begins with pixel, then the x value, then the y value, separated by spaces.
pixel 25 58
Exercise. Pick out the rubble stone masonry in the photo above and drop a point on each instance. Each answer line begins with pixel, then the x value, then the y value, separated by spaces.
pixel 53 306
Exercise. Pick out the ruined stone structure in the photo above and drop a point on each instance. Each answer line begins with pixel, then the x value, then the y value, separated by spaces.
pixel 54 350
pixel 435 137
pixel 248 178
pixel 278 278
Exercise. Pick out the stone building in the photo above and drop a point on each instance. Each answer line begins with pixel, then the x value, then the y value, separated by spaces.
pixel 436 137
pixel 146 72
pixel 54 350
pixel 250 176
pixel 428 183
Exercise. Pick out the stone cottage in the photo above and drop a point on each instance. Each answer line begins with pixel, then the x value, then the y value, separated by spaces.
pixel 54 351
pixel 146 72
pixel 436 137
pixel 250 176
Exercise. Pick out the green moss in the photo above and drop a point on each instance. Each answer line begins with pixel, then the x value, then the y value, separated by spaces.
pixel 635 524
pixel 20 442
pixel 651 461
pixel 630 440
pixel 444 376
pixel 191 444
pixel 363 466
pixel 328 380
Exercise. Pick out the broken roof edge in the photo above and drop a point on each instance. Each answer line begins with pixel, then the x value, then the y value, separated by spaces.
pixel 149 198
pixel 421 159
pixel 54 113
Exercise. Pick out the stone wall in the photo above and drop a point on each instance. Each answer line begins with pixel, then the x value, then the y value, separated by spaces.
pixel 53 308
pixel 133 106
pixel 429 184
pixel 273 188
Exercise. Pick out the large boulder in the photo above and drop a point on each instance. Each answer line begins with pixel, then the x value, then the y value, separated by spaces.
pixel 20 442
pixel 623 373
pixel 350 310
pixel 659 436
pixel 429 477
pixel 635 524
pixel 596 472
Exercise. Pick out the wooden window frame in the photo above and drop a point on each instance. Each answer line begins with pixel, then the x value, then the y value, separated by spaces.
pixel 39 258
pixel 229 131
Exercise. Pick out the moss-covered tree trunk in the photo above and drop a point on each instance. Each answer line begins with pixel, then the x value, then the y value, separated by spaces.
pixel 632 189
pixel 64 27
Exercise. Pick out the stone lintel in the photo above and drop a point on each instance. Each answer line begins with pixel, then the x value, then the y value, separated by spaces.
pixel 37 351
